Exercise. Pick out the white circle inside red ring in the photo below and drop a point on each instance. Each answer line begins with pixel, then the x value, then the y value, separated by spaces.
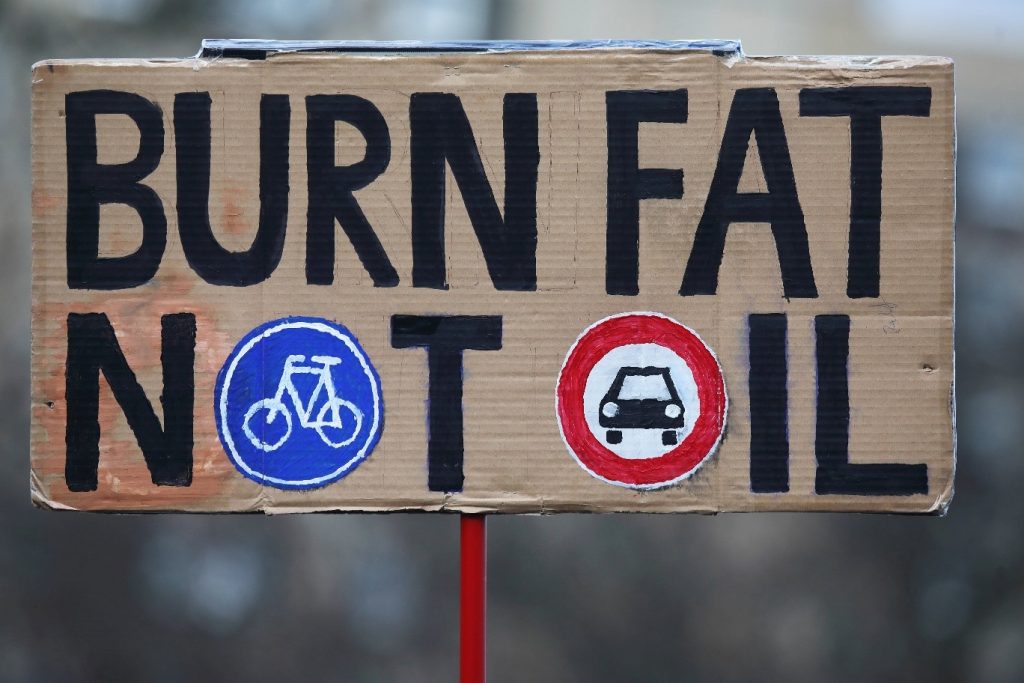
pixel 700 438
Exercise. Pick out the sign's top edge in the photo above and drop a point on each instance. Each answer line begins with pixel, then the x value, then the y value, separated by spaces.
pixel 260 49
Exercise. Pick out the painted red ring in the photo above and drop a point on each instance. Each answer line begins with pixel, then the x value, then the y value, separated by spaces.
pixel 641 328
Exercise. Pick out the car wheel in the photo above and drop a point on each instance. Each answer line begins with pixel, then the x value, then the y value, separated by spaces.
pixel 668 438
pixel 614 436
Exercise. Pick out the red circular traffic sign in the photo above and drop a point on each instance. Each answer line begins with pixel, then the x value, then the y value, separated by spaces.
pixel 634 377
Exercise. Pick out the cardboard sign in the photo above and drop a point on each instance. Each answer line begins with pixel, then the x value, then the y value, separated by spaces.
pixel 541 277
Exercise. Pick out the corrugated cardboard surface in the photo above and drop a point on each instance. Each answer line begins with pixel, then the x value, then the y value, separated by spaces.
pixel 901 348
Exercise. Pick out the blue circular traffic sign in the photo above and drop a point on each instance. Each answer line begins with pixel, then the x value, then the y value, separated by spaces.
pixel 298 403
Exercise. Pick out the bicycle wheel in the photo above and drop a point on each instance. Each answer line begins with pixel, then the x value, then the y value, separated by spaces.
pixel 273 408
pixel 333 432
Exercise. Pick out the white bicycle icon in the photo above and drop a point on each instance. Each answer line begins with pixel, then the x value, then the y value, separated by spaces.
pixel 328 417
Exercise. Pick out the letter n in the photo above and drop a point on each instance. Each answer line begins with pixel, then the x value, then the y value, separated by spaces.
pixel 92 349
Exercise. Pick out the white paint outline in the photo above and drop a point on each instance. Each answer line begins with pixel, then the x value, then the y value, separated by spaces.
pixel 661 484
pixel 371 440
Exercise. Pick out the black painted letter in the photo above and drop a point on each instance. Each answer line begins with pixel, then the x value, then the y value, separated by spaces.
pixel 205 255
pixel 836 474
pixel 445 338
pixel 332 188
pixel 628 183
pixel 769 408
pixel 91 184
pixel 93 348
pixel 865 106
pixel 441 133
pixel 754 110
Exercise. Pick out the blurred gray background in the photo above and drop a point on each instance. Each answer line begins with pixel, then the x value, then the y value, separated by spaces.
pixel 572 598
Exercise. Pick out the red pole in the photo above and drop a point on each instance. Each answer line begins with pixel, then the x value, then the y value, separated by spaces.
pixel 473 602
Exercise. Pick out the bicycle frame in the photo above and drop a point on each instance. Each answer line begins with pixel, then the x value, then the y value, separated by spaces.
pixel 326 383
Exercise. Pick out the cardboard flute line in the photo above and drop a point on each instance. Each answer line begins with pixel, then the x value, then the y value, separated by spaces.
pixel 291 277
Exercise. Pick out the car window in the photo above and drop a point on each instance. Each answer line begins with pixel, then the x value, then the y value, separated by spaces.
pixel 635 387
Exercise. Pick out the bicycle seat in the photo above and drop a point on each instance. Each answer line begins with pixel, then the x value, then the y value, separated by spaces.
pixel 326 361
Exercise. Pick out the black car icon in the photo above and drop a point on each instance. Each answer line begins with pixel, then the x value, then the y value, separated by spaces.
pixel 642 398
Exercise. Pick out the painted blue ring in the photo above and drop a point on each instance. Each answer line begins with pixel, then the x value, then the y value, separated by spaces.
pixel 245 345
